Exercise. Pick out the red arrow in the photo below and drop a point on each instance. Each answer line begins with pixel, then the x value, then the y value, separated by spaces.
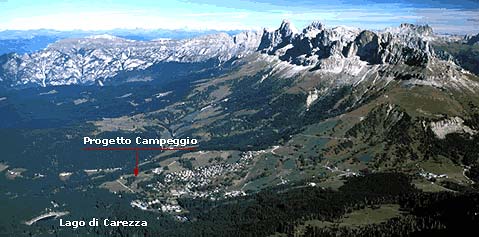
pixel 136 170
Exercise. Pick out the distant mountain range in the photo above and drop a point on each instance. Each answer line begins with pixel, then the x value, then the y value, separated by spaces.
pixel 29 41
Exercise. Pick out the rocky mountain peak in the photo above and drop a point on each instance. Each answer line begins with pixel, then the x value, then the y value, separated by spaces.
pixel 315 25
pixel 86 60
pixel 412 30
pixel 284 35
pixel 472 39
pixel 287 29
pixel 314 46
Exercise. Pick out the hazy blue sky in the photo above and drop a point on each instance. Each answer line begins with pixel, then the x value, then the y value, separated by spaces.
pixel 453 16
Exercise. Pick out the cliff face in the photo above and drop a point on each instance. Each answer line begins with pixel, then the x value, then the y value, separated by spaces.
pixel 406 44
pixel 341 49
pixel 99 58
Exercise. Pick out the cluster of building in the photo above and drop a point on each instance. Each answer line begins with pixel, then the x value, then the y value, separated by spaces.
pixel 194 183
pixel 168 206
pixel 204 176
pixel 432 176
pixel 342 173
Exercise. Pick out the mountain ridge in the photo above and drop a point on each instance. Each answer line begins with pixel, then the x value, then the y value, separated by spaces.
pixel 69 61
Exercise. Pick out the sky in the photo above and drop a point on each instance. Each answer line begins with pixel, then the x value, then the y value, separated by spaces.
pixel 445 16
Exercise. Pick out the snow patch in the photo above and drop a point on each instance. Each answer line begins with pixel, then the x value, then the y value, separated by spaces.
pixel 49 93
pixel 162 94
pixel 448 126
pixel 313 96
pixel 125 95
pixel 80 101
